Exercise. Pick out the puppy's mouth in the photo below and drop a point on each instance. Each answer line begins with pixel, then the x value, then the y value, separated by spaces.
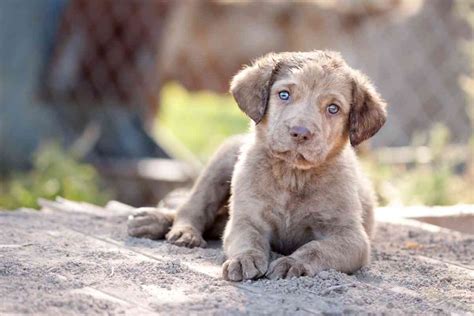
pixel 294 158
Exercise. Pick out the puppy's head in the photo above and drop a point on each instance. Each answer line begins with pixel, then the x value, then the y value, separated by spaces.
pixel 307 106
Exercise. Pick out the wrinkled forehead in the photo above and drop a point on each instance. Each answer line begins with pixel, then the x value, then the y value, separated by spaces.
pixel 315 76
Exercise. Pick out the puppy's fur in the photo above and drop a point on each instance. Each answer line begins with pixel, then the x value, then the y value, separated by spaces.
pixel 293 184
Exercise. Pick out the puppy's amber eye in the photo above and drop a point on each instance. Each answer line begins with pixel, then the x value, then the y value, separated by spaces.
pixel 284 95
pixel 333 109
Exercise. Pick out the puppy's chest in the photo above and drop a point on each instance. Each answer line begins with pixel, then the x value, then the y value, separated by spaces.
pixel 291 209
pixel 293 221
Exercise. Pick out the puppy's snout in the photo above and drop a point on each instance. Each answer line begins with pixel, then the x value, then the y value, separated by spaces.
pixel 300 133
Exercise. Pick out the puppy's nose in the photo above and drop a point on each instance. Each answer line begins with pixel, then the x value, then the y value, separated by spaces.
pixel 300 133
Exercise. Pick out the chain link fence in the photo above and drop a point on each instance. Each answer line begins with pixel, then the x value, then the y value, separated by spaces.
pixel 124 51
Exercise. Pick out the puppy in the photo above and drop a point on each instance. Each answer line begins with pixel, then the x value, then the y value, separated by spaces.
pixel 293 185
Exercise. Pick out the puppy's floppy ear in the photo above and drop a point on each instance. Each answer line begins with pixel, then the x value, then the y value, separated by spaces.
pixel 251 87
pixel 367 114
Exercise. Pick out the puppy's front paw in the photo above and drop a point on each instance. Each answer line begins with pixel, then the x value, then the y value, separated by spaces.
pixel 286 267
pixel 186 236
pixel 246 266
pixel 149 223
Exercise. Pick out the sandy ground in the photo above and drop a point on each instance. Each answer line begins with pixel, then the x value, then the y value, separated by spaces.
pixel 74 263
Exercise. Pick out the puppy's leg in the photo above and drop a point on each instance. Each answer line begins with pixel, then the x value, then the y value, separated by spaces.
pixel 208 195
pixel 368 201
pixel 216 230
pixel 246 242
pixel 345 250
pixel 368 220
pixel 149 222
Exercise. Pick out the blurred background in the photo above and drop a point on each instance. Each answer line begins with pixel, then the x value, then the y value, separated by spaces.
pixel 127 99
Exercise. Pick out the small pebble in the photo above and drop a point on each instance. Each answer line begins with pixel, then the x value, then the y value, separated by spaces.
pixel 323 275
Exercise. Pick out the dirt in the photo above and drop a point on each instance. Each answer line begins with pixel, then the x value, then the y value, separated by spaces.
pixel 75 263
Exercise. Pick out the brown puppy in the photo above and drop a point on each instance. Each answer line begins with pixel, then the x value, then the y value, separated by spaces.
pixel 294 183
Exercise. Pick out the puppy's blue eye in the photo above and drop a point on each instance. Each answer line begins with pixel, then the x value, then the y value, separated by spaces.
pixel 284 95
pixel 333 108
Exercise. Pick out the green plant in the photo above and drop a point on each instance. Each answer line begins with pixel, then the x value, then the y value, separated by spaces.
pixel 200 120
pixel 55 172
pixel 438 182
